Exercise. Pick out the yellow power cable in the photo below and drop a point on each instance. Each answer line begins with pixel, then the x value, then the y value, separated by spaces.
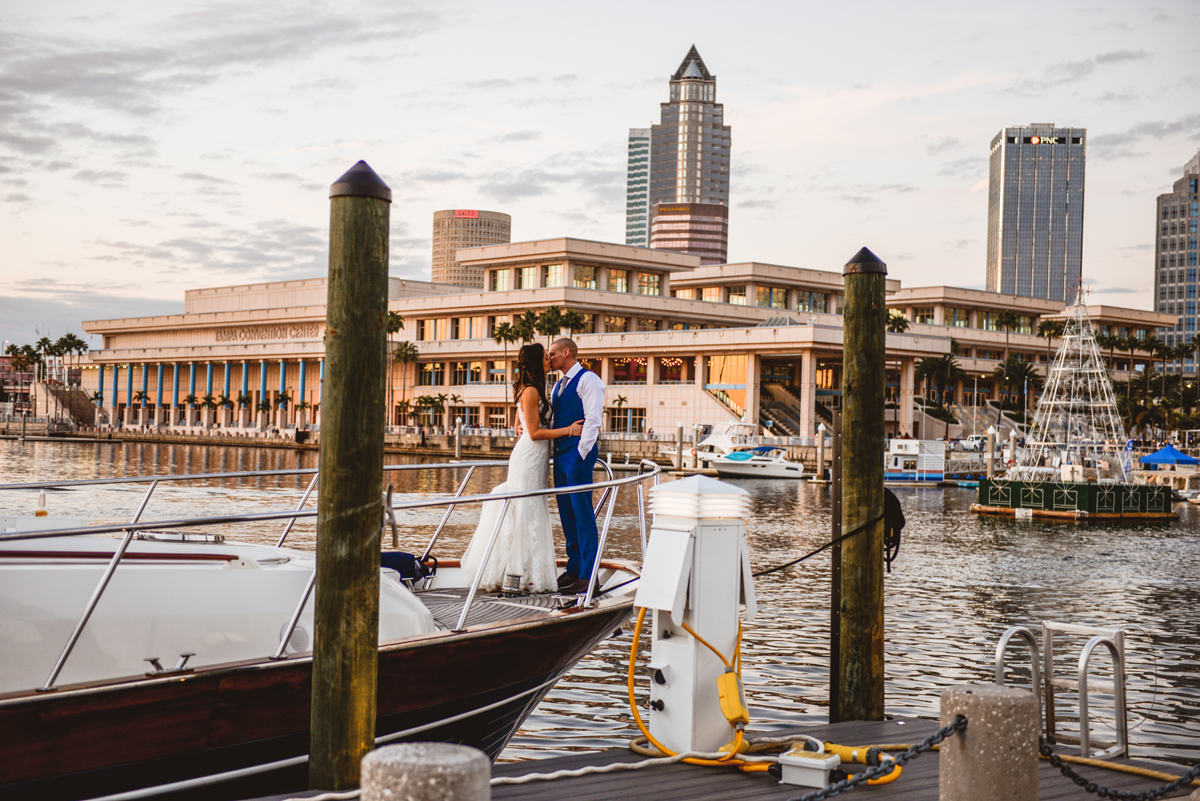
pixel 633 650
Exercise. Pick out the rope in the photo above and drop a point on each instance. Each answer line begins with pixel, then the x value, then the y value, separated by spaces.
pixel 829 544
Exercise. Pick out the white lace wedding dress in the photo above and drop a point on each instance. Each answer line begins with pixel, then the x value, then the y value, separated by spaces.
pixel 525 544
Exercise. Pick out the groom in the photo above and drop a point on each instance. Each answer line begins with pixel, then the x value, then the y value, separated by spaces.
pixel 579 395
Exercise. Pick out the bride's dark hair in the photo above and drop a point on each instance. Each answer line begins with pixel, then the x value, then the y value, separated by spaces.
pixel 531 372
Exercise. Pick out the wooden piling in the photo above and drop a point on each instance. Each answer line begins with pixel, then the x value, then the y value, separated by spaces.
pixel 860 644
pixel 349 507
pixel 835 570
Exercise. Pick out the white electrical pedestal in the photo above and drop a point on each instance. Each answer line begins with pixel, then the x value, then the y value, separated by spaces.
pixel 697 571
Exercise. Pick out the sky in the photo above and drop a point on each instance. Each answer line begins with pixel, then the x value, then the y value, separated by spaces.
pixel 149 148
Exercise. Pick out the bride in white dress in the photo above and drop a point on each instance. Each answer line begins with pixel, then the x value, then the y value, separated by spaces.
pixel 525 545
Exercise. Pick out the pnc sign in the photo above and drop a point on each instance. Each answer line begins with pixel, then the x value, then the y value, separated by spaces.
pixel 1044 140
pixel 471 213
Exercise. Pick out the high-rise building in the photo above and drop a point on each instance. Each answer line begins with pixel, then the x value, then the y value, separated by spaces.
pixel 701 229
pixel 1035 211
pixel 637 189
pixel 688 154
pixel 465 228
pixel 1175 254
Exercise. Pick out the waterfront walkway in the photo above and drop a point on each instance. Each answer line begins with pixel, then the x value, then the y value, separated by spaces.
pixel 919 781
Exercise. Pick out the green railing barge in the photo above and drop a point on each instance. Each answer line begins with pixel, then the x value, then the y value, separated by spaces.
pixel 1073 500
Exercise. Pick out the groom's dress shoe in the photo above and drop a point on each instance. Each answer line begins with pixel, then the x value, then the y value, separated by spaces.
pixel 566 580
pixel 579 587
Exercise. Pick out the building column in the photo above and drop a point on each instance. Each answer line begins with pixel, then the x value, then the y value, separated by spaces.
pixel 100 390
pixel 158 403
pixel 281 411
pixel 128 419
pixel 192 416
pixel 262 417
pixel 175 394
pixel 808 393
pixel 753 385
pixel 116 398
pixel 145 394
pixel 908 372
pixel 321 386
pixel 301 390
pixel 651 370
pixel 958 393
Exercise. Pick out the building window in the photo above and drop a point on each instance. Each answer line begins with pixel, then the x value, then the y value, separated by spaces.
pixel 647 324
pixel 501 280
pixel 674 370
pixel 684 294
pixel 431 374
pixel 649 284
pixel 771 297
pixel 629 370
pixel 626 420
pixel 496 417
pixel 616 325
pixel 1025 324
pixel 592 365
pixel 496 372
pixel 420 330
pixel 468 414
pixel 736 295
pixel 467 373
pixel 618 280
pixel 552 275
pixel 585 276
pixel 958 318
pixel 923 315
pixel 527 278
pixel 712 294
pixel 839 303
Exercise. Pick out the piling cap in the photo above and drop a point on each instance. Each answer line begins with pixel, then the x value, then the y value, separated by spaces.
pixel 361 181
pixel 864 262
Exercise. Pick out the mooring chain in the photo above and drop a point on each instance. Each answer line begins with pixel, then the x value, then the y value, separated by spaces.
pixel 958 724
pixel 1106 792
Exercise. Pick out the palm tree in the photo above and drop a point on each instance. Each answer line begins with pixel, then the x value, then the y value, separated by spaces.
pixel 395 321
pixel 940 371
pixel 43 347
pixel 403 410
pixel 1017 374
pixel 1051 329
pixel 505 334
pixel 1008 320
pixel 264 406
pixel 549 323
pixel 303 406
pixel 406 353
pixel 208 402
pixel 190 400
pixel 224 402
pixel 618 403
pixel 897 323
pixel 526 325
pixel 573 321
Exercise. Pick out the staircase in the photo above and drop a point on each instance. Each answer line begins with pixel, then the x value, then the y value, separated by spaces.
pixel 72 402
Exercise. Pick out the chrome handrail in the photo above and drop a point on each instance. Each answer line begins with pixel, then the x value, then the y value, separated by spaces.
pixel 611 485
pixel 442 523
pixel 292 521
pixel 462 619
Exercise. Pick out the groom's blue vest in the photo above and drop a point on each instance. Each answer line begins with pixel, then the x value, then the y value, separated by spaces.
pixel 568 407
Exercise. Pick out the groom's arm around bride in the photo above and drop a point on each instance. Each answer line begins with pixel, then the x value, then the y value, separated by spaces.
pixel 579 394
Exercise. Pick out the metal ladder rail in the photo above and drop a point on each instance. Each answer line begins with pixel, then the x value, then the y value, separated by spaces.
pixel 1114 641
pixel 1027 637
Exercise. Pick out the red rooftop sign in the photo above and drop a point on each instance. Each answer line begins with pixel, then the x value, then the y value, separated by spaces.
pixel 466 213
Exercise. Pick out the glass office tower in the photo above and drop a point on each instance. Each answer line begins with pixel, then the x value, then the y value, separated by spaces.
pixel 1175 258
pixel 637 189
pixel 1035 211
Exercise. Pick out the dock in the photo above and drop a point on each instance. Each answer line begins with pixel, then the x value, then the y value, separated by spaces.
pixel 679 782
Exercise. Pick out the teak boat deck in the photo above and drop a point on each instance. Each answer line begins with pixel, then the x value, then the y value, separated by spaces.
pixel 488 607
pixel 919 781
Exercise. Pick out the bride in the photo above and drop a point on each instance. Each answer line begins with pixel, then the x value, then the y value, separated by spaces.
pixel 525 545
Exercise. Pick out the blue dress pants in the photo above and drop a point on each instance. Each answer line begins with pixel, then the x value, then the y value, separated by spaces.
pixel 575 510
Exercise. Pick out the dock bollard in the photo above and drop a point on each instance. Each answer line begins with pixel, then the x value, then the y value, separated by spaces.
pixel 426 772
pixel 996 757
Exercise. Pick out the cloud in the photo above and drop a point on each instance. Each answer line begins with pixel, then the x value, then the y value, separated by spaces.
pixel 939 146
pixel 980 186
pixel 517 136
pixel 107 178
pixel 202 178
pixel 1120 145
pixel 756 204
pixel 964 167
pixel 59 308
pixel 1066 72
pixel 29 145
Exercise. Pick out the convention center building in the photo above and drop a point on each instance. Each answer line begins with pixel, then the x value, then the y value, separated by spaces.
pixel 674 340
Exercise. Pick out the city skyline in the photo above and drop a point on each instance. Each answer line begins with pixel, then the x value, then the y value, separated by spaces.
pixel 182 146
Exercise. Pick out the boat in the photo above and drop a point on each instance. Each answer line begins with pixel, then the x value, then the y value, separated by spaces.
pixel 191 670
pixel 764 461
pixel 722 439
pixel 1076 462
pixel 915 461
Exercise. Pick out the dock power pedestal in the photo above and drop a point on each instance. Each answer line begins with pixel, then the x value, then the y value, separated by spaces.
pixel 696 572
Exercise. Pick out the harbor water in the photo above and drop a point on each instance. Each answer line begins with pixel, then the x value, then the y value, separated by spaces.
pixel 958 583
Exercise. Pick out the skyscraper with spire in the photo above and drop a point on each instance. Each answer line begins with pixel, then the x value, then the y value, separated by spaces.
pixel 687 192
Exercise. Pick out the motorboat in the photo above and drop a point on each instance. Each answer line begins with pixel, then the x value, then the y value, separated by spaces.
pixel 722 439
pixel 150 657
pixel 764 461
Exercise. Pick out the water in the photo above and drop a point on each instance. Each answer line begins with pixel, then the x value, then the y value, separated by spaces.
pixel 958 583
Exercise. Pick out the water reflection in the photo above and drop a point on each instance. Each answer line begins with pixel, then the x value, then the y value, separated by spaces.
pixel 958 583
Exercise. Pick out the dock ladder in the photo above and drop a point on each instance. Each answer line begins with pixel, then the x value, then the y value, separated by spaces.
pixel 1114 641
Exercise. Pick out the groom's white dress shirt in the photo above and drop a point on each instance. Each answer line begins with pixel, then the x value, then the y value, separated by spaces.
pixel 591 393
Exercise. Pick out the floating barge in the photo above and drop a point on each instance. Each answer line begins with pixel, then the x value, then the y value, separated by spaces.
pixel 1073 500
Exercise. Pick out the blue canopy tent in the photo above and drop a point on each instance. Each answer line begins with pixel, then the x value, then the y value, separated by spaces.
pixel 1168 455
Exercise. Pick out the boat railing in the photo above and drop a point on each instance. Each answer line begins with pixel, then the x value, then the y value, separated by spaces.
pixel 647 471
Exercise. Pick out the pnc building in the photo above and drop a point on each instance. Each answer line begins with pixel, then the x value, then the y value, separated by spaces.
pixel 1035 211
pixel 454 229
